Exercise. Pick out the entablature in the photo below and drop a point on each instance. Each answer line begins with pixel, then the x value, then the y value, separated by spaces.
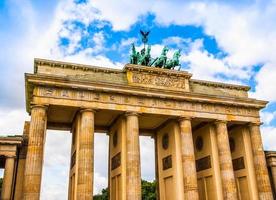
pixel 9 145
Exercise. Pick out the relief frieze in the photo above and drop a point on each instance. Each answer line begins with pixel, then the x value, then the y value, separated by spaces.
pixel 203 163
pixel 238 164
pixel 151 102
pixel 116 161
pixel 158 80
pixel 167 162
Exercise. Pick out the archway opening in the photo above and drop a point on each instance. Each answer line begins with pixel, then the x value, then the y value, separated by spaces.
pixel 1 178
pixel 100 162
pixel 148 166
pixel 55 175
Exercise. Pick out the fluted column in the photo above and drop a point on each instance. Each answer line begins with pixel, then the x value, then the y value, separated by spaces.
pixel 263 182
pixel 133 172
pixel 188 159
pixel 86 155
pixel 225 160
pixel 8 178
pixel 273 173
pixel 19 179
pixel 34 159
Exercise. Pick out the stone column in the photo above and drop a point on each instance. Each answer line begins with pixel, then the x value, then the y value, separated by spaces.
pixel 226 168
pixel 8 178
pixel 273 173
pixel 19 180
pixel 188 159
pixel 34 159
pixel 250 164
pixel 263 182
pixel 86 155
pixel 133 172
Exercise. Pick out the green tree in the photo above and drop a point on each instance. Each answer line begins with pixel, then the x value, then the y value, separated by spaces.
pixel 148 192
pixel 102 196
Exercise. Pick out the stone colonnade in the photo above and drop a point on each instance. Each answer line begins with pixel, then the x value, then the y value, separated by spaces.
pixel 84 190
pixel 11 154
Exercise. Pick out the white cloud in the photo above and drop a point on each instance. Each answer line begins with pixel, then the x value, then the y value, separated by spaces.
pixel 12 121
pixel 122 14
pixel 100 183
pixel 268 136
pixel 147 153
pixel 99 40
pixel 127 42
pixel 266 81
pixel 267 117
pixel 85 57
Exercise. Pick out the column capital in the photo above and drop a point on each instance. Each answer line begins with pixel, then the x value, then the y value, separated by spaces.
pixel 220 121
pixel 255 124
pixel 43 106
pixel 131 113
pixel 10 156
pixel 87 110
pixel 182 118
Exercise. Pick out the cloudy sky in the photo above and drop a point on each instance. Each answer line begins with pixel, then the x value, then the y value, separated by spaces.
pixel 229 41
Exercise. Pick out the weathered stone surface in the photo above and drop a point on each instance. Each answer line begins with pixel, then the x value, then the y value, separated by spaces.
pixel 188 159
pixel 263 183
pixel 6 192
pixel 34 160
pixel 85 155
pixel 133 171
pixel 226 167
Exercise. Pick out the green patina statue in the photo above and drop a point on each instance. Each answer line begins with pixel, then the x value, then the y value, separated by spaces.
pixel 145 37
pixel 171 64
pixel 134 55
pixel 144 58
pixel 162 60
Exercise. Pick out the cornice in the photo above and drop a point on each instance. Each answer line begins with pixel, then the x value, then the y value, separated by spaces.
pixel 270 154
pixel 12 140
pixel 74 66
pixel 221 85
pixel 154 70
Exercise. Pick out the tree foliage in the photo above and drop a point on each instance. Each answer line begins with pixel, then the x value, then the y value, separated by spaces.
pixel 148 192
pixel 102 196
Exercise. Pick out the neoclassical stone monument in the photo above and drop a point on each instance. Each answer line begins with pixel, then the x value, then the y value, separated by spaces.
pixel 207 135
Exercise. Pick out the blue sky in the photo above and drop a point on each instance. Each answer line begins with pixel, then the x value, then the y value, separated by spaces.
pixel 228 41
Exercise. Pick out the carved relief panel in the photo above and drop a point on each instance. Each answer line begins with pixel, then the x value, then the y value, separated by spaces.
pixel 158 78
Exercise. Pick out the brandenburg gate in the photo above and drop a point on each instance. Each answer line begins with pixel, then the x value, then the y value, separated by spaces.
pixel 207 134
